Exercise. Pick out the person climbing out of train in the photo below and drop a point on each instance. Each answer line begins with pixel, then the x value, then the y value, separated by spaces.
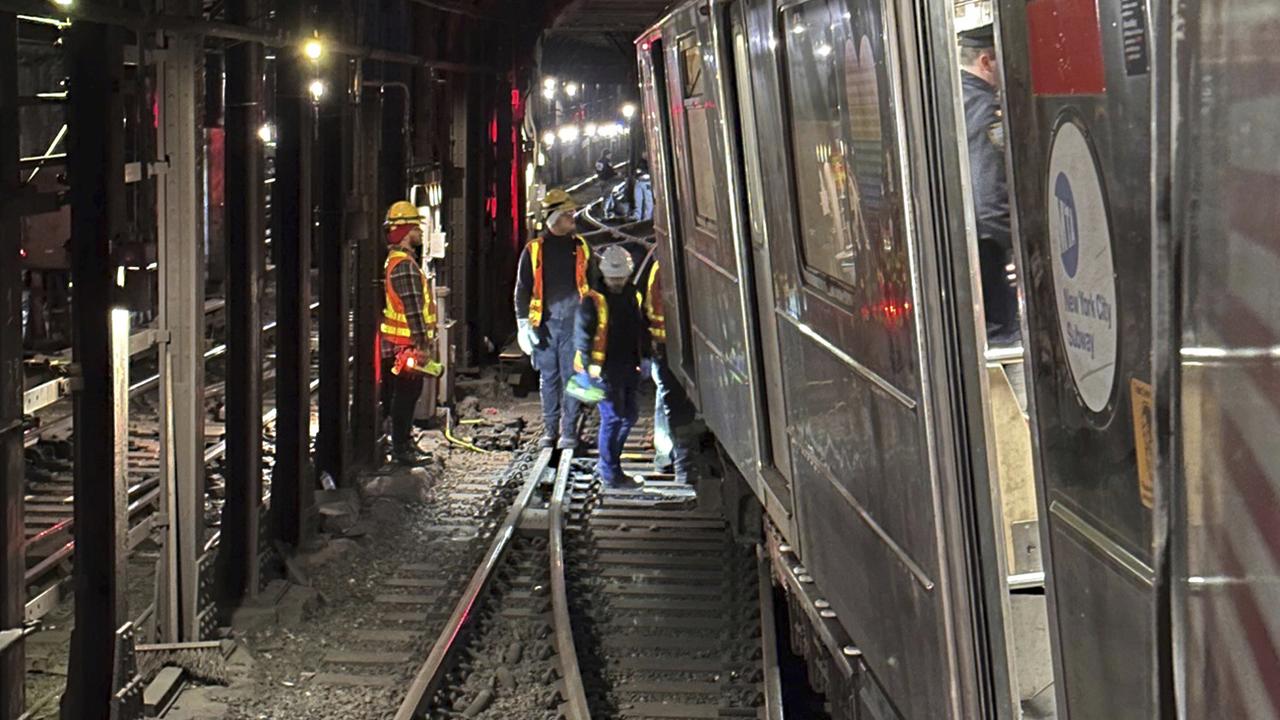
pixel 611 339
pixel 550 281
pixel 673 412
pixel 606 176
pixel 408 330
pixel 980 77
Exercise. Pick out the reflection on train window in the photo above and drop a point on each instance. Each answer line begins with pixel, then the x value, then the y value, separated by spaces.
pixel 751 160
pixel 843 141
pixel 699 133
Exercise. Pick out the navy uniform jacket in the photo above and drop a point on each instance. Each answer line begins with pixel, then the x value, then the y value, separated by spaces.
pixel 986 160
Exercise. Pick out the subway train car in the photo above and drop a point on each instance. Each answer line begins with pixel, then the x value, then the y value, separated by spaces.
pixel 963 531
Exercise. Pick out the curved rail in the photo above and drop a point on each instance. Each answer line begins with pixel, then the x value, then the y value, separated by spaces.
pixel 431 674
pixel 575 695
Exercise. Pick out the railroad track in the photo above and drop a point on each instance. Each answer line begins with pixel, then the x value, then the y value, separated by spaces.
pixel 596 604
pixel 49 498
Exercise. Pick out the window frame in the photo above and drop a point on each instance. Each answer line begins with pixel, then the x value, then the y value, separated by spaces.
pixel 689 42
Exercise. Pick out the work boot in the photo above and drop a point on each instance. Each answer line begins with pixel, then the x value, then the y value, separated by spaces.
pixel 625 483
pixel 408 454
pixel 567 443
pixel 546 442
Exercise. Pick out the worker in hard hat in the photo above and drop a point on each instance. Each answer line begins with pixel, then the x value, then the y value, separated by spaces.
pixel 611 339
pixel 550 281
pixel 673 412
pixel 408 329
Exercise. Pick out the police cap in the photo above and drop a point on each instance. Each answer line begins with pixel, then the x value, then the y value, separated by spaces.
pixel 983 36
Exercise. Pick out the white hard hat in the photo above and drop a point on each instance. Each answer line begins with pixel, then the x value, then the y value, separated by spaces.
pixel 616 262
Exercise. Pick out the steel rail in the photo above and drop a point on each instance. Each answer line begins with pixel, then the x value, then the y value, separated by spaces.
pixel 430 676
pixel 772 680
pixel 575 694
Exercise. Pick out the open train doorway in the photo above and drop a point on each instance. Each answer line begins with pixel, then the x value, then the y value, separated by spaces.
pixel 996 280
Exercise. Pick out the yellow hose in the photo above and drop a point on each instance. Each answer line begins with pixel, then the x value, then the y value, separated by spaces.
pixel 448 434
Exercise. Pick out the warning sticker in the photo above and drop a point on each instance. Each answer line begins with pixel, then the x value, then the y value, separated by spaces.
pixel 1083 270
pixel 1144 443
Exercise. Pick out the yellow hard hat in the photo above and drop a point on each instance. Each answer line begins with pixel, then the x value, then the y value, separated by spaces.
pixel 402 212
pixel 557 200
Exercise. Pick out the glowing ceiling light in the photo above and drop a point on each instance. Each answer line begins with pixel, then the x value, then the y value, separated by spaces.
pixel 550 83
pixel 549 93
pixel 316 88
pixel 549 139
pixel 629 110
pixel 590 130
pixel 571 89
pixel 313 49
pixel 267 133
pixel 568 133
pixel 63 3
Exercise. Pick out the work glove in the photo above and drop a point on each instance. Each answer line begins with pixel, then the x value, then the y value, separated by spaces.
pixel 527 336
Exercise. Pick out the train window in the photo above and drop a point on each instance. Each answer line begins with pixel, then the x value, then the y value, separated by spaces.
pixel 842 137
pixel 698 124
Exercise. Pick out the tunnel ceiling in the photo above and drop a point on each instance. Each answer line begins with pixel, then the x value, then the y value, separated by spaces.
pixel 592 39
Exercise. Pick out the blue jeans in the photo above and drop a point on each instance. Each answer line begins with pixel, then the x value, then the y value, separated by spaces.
pixel 554 361
pixel 672 412
pixel 618 413
pixel 642 201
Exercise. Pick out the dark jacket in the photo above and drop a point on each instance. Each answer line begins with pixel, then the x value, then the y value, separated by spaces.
pixel 985 132
pixel 628 339
pixel 604 170
pixel 559 278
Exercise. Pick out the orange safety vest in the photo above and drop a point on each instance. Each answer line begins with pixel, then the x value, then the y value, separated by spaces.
pixel 582 256
pixel 600 342
pixel 395 326
pixel 653 305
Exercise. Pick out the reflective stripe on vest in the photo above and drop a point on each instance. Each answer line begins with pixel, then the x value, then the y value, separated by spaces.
pixel 600 341
pixel 653 304
pixel 395 324
pixel 581 258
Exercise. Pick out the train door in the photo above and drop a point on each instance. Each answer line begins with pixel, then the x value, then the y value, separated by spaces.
pixel 752 240
pixel 856 122
pixel 666 227
pixel 720 321
pixel 1224 346
pixel 1078 100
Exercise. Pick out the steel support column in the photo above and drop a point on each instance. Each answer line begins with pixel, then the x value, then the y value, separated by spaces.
pixel 95 145
pixel 238 554
pixel 182 287
pixel 335 345
pixel 292 487
pixel 365 419
pixel 12 587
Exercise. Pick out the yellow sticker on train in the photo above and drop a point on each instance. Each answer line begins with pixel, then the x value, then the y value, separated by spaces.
pixel 1143 403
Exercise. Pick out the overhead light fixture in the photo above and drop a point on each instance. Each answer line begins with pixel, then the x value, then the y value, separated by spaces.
pixel 267 133
pixel 568 133
pixel 316 88
pixel 590 130
pixel 313 48
pixel 571 89
pixel 548 139
pixel 549 93
pixel 64 3
pixel 629 110
pixel 550 83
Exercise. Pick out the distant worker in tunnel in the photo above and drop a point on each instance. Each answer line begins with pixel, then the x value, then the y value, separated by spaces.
pixel 408 329
pixel 550 281
pixel 673 412
pixel 610 340
pixel 607 177
pixel 642 192
pixel 980 78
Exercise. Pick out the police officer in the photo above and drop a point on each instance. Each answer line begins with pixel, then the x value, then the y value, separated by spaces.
pixel 611 339
pixel 980 78
pixel 550 281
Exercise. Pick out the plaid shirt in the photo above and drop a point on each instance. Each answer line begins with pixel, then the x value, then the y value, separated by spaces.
pixel 406 280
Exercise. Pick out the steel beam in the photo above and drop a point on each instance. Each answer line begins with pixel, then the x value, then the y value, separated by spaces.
pixel 292 487
pixel 365 423
pixel 335 122
pixel 182 316
pixel 238 556
pixel 12 564
pixel 95 59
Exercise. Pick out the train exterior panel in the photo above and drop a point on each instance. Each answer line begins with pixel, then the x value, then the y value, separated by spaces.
pixel 833 191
